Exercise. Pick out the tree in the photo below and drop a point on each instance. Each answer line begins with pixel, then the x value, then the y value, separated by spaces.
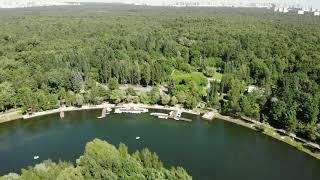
pixel 43 100
pixel 165 99
pixel 146 74
pixel 79 100
pixel 7 94
pixel 181 96
pixel 135 74
pixel 25 97
pixel 117 96
pixel 113 84
pixel 77 81
pixel 144 98
pixel 94 95
pixel 173 101
pixel 102 160
pixel 123 149
pixel 70 98
pixel 155 95
pixel 249 107
pixel 131 91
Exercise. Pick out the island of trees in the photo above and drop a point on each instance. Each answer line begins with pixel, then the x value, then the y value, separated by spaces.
pixel 102 160
pixel 259 64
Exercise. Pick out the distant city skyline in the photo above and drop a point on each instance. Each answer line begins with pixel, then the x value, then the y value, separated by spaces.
pixel 302 3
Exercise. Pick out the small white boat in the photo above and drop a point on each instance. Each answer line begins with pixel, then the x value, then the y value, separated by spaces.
pixel 36 157
pixel 138 137
pixel 163 117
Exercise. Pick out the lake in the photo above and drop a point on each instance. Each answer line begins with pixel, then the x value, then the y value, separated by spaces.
pixel 216 150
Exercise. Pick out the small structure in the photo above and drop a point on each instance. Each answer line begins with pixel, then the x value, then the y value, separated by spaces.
pixel 252 88
pixel 104 112
pixel 176 115
pixel 30 111
pixel 61 114
pixel 210 115
pixel 301 12
pixel 281 9
pixel 62 108
pixel 160 115
pixel 317 13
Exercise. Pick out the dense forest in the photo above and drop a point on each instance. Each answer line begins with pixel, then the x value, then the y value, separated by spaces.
pixel 260 64
pixel 102 160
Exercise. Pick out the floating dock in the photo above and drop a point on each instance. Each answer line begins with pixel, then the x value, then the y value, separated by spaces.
pixel 130 109
pixel 176 115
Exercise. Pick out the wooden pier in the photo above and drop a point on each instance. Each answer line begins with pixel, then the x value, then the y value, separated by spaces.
pixel 61 114
pixel 210 115
pixel 104 112
pixel 176 115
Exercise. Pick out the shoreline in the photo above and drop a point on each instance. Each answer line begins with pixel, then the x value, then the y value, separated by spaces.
pixel 296 142
pixel 278 134
pixel 10 116
pixel 64 109
pixel 106 105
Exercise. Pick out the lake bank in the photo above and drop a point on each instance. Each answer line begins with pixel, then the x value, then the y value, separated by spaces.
pixel 10 116
pixel 107 105
pixel 279 134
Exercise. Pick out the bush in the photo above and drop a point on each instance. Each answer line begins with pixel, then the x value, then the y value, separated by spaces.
pixel 102 160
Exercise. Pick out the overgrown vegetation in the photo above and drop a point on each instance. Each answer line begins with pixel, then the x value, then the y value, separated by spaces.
pixel 59 55
pixel 102 160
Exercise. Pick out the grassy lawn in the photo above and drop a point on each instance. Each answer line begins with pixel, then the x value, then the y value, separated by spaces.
pixel 185 78
pixel 217 76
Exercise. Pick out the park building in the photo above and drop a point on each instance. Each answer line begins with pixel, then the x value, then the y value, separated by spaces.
pixel 301 12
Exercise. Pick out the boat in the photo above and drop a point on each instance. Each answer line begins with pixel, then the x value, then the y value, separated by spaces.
pixel 138 137
pixel 36 157
pixel 158 114
pixel 163 117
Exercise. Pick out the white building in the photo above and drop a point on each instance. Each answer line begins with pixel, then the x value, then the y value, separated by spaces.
pixel 301 12
pixel 316 13
pixel 252 88
pixel 281 9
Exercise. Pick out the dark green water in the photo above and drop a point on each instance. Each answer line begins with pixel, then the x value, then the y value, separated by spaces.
pixel 217 150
